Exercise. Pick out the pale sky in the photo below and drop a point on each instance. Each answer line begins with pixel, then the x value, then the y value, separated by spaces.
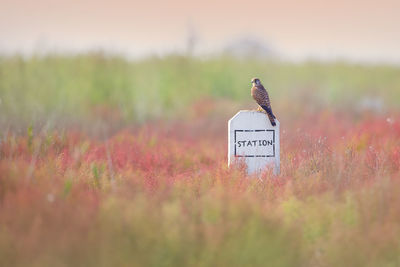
pixel 357 30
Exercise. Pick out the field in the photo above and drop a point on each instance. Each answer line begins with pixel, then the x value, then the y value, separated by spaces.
pixel 109 162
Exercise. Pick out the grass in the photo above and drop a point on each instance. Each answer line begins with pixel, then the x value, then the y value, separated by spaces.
pixel 162 197
pixel 82 90
pixel 156 190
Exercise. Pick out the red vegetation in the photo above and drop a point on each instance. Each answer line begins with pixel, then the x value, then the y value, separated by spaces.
pixel 56 189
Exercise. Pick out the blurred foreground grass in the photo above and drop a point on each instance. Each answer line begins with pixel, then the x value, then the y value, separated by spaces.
pixel 85 89
pixel 157 198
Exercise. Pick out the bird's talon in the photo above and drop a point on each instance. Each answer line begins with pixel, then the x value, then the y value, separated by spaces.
pixel 260 109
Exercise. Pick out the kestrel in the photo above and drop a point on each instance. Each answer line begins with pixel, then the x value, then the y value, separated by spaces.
pixel 260 95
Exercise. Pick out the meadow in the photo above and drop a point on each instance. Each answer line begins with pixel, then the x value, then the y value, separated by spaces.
pixel 110 162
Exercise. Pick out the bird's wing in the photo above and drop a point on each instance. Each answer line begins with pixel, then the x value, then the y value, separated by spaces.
pixel 260 95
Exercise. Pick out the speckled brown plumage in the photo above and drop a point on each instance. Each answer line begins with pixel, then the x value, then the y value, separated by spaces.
pixel 261 96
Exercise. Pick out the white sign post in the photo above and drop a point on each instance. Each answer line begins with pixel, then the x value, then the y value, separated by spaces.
pixel 253 139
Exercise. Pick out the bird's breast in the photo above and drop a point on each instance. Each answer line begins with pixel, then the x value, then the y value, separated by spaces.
pixel 253 91
pixel 256 93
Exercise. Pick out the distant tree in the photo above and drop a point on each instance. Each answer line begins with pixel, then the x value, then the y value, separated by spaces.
pixel 249 47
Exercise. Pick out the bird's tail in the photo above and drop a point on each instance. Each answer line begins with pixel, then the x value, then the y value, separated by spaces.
pixel 271 115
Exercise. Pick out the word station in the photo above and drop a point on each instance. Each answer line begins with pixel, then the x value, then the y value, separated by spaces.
pixel 255 143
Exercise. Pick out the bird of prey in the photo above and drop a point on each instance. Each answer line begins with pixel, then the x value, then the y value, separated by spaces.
pixel 260 95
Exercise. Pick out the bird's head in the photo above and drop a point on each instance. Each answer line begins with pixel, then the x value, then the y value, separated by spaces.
pixel 255 81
